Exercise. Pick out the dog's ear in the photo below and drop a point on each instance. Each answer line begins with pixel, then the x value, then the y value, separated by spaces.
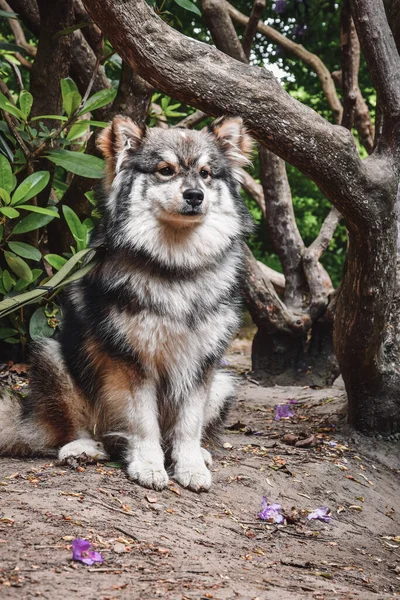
pixel 121 137
pixel 233 139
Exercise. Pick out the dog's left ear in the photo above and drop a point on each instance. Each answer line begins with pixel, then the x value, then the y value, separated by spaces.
pixel 117 140
pixel 233 139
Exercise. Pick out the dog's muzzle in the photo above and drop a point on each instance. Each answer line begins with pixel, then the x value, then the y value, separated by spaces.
pixel 193 201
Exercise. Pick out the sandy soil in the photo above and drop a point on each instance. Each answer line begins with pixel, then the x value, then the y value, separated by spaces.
pixel 177 544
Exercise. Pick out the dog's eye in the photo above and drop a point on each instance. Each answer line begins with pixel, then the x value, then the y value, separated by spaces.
pixel 166 171
pixel 204 173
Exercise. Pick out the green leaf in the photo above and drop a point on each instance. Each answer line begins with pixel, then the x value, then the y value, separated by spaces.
pixel 91 197
pixel 25 250
pixel 187 5
pixel 6 176
pixel 55 261
pixel 54 117
pixel 39 209
pixel 10 212
pixel 98 100
pixel 71 29
pixel 5 196
pixel 78 163
pixel 32 222
pixel 21 284
pixel 74 224
pixel 6 105
pixel 8 281
pixel 78 130
pixel 39 326
pixel 30 187
pixel 70 95
pixel 6 332
pixel 8 14
pixel 18 266
pixel 25 103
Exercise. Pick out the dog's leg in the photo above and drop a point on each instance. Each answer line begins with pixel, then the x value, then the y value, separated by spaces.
pixel 145 456
pixel 187 455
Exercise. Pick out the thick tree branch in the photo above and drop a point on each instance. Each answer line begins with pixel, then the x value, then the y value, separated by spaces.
pixel 277 279
pixel 380 52
pixel 209 80
pixel 251 27
pixel 393 16
pixel 133 97
pixel 282 226
pixel 298 51
pixel 254 189
pixel 222 30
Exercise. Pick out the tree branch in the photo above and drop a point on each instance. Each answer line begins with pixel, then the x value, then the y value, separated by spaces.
pixel 380 52
pixel 17 30
pixel 350 64
pixel 192 120
pixel 254 189
pixel 251 27
pixel 205 78
pixel 297 50
pixel 133 97
pixel 222 30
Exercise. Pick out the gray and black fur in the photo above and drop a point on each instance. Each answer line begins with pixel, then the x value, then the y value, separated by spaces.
pixel 145 330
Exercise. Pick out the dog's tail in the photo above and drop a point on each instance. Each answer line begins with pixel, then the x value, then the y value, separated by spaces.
pixel 19 434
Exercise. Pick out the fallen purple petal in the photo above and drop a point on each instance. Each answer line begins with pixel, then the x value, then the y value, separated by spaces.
pixel 80 552
pixel 270 512
pixel 322 514
pixel 283 412
pixel 292 401
pixel 333 444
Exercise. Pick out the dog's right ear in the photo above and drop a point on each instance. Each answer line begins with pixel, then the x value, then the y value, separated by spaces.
pixel 116 141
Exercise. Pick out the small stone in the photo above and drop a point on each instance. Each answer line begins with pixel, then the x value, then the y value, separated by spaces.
pixel 119 548
pixel 228 446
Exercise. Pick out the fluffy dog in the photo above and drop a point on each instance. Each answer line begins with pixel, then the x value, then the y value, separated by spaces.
pixel 135 367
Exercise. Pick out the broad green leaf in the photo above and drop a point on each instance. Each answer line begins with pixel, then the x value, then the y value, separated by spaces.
pixel 78 163
pixel 32 222
pixel 55 261
pixel 25 250
pixel 6 105
pixel 5 196
pixel 18 266
pixel 11 47
pixel 21 284
pixel 6 332
pixel 188 5
pixel 6 175
pixel 98 100
pixel 9 212
pixel 54 117
pixel 25 103
pixel 39 209
pixel 30 187
pixel 78 130
pixel 70 95
pixel 74 224
pixel 39 326
pixel 8 281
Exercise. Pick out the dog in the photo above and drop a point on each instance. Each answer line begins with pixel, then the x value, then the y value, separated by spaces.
pixel 135 367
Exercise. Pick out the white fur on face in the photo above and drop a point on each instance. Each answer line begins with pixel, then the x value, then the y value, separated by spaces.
pixel 189 247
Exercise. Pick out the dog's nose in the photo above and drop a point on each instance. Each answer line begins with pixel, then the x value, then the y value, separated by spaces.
pixel 193 196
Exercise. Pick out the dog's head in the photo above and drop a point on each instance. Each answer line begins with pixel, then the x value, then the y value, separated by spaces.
pixel 178 179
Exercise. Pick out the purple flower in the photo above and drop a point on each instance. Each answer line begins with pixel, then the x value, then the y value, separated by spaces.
pixel 80 551
pixel 283 411
pixel 280 6
pixel 292 401
pixel 270 512
pixel 322 514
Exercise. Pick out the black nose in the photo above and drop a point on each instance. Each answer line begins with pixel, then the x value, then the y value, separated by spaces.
pixel 194 197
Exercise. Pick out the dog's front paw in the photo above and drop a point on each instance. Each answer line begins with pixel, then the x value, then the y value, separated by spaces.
pixel 149 474
pixel 194 476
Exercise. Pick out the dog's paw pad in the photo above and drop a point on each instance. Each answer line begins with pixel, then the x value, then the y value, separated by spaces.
pixel 149 475
pixel 85 450
pixel 197 477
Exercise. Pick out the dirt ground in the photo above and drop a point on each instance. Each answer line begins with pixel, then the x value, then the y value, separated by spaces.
pixel 176 544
